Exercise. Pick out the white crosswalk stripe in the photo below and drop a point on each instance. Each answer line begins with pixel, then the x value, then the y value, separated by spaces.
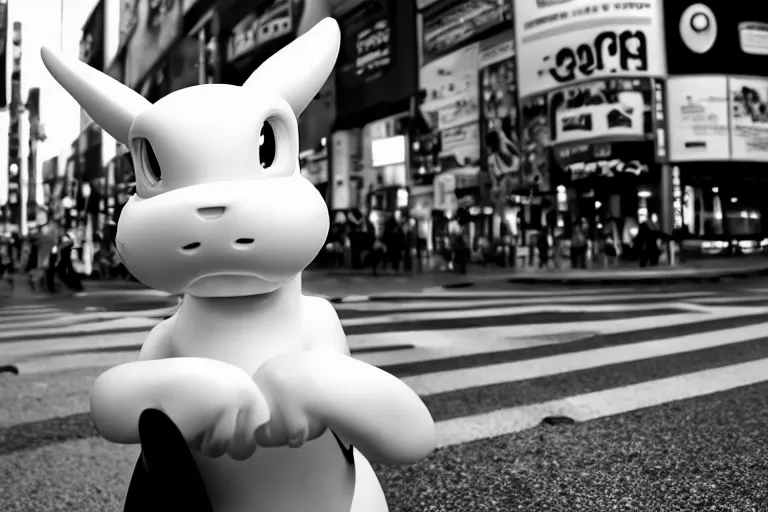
pixel 445 344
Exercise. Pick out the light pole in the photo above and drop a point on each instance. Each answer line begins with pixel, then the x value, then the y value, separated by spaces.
pixel 88 235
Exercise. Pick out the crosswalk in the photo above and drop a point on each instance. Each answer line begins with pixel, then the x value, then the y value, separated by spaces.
pixel 486 363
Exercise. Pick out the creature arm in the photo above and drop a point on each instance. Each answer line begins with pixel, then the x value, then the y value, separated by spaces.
pixel 371 409
pixel 201 396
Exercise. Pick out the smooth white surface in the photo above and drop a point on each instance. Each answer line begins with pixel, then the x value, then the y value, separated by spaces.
pixel 233 231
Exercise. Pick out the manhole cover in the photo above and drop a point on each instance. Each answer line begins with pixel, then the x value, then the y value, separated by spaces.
pixel 558 420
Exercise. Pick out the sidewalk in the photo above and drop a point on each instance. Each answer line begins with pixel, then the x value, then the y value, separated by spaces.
pixel 700 270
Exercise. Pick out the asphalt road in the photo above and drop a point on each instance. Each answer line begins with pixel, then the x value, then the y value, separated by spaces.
pixel 546 399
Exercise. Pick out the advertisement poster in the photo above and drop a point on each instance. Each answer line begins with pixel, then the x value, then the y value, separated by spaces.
pixel 499 110
pixel 451 107
pixel 535 142
pixel 749 119
pixel 565 41
pixel 603 109
pixel 449 23
pixel 158 27
pixel 451 84
pixel 698 118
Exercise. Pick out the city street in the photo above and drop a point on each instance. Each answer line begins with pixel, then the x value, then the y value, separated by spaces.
pixel 644 397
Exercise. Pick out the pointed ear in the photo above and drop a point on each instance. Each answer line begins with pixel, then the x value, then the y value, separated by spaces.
pixel 297 72
pixel 112 105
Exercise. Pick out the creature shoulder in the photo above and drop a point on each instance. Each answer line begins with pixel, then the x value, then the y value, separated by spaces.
pixel 158 344
pixel 321 326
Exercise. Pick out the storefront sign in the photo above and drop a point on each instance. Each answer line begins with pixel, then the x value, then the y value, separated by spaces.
pixel 367 45
pixel 449 23
pixel 613 109
pixel 563 42
pixel 698 118
pixel 255 30
pixel 445 192
pixel 159 26
pixel 499 109
pixel 749 118
pixel 606 168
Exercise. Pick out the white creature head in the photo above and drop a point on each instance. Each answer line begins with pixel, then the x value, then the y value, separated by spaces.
pixel 215 214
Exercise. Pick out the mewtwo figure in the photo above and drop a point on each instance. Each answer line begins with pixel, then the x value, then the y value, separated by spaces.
pixel 247 399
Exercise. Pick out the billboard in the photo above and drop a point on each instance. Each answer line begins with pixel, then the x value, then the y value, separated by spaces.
pixel 716 37
pixel 749 118
pixel 560 42
pixel 697 114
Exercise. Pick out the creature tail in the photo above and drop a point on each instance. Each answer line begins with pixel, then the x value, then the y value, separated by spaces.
pixel 166 476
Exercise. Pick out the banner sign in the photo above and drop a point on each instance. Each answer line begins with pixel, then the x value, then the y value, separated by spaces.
pixel 499 109
pixel 535 132
pixel 697 110
pixel 450 23
pixel 749 118
pixel 3 53
pixel 567 41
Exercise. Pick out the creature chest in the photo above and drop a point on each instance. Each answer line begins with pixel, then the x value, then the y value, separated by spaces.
pixel 245 340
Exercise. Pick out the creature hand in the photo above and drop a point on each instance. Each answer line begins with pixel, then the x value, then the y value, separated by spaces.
pixel 281 382
pixel 216 406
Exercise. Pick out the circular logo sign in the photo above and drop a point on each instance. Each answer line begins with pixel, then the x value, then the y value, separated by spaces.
pixel 698 28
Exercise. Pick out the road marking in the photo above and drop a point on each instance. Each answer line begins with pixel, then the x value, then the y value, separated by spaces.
pixel 600 404
pixel 432 305
pixel 441 293
pixel 454 380
pixel 82 329
pixel 82 318
pixel 515 311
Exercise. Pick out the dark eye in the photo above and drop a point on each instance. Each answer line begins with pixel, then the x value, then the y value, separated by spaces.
pixel 145 162
pixel 151 164
pixel 267 146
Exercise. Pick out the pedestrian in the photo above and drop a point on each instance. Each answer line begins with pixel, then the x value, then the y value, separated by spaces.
pixel 543 245
pixel 578 246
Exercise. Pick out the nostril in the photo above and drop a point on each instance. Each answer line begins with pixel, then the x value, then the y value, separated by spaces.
pixel 244 241
pixel 193 245
pixel 211 212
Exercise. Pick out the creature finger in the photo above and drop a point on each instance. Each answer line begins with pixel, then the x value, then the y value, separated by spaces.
pixel 219 437
pixel 244 438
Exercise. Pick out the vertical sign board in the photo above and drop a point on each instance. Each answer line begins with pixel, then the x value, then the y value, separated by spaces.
pixel 3 53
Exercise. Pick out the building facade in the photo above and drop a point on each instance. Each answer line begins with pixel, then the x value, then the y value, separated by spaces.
pixel 505 121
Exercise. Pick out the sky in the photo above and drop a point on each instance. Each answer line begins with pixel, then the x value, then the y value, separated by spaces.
pixel 44 25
